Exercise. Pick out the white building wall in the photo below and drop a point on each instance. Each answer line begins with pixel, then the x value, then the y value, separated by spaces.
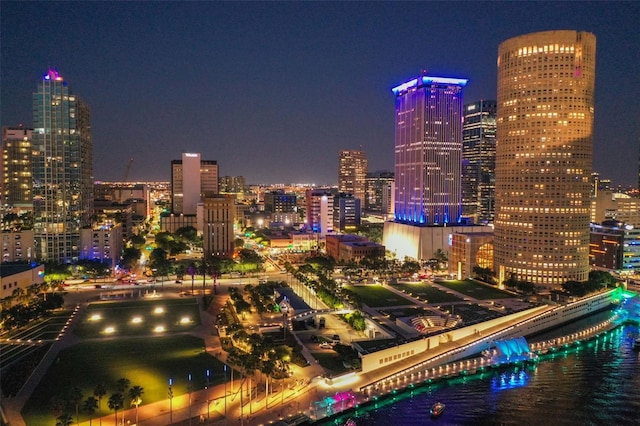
pixel 190 182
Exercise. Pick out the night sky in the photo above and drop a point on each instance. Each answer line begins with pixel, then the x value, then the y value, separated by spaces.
pixel 272 91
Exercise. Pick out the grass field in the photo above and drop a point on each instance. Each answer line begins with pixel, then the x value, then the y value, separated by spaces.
pixel 476 290
pixel 426 291
pixel 147 362
pixel 140 317
pixel 377 296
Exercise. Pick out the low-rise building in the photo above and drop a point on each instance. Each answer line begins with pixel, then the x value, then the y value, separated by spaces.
pixel 468 251
pixel 19 276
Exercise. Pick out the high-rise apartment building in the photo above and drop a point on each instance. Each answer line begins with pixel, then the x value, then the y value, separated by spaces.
pixel 16 167
pixel 428 147
pixel 544 156
pixel 231 184
pixel 62 167
pixel 319 211
pixel 353 167
pixel 479 161
pixel 191 179
pixel 379 192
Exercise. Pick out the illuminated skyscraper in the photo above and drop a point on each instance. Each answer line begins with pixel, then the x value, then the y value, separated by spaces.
pixel 62 169
pixel 544 156
pixel 191 179
pixel 428 146
pixel 479 161
pixel 353 168
pixel 16 167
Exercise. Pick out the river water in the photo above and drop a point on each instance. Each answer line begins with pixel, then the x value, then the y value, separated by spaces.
pixel 597 383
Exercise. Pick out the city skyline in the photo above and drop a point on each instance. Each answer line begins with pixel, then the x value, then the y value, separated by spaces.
pixel 291 84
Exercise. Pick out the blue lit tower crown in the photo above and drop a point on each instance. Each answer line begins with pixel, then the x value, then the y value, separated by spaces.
pixel 428 149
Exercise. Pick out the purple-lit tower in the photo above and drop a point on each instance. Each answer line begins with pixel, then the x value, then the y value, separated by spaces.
pixel 428 149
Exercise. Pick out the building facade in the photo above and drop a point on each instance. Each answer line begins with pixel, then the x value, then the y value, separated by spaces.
pixel 469 251
pixel 544 156
pixel 103 243
pixel 352 171
pixel 347 214
pixel 16 167
pixel 62 167
pixel 479 161
pixel 379 192
pixel 280 202
pixel 428 149
pixel 219 217
pixel 191 179
pixel 234 184
pixel 19 276
pixel 319 211
pixel 609 205
pixel 17 246
pixel 615 246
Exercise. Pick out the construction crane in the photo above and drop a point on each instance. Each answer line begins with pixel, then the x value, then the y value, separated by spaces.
pixel 127 170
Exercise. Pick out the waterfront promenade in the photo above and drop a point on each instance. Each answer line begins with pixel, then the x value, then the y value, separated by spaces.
pixel 297 401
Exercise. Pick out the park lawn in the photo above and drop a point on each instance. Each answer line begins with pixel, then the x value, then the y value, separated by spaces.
pixel 427 292
pixel 476 290
pixel 120 315
pixel 147 362
pixel 377 296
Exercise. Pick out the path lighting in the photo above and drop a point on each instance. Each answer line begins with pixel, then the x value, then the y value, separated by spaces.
pixel 158 310
pixel 109 330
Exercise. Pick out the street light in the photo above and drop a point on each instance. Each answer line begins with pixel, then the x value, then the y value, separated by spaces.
pixel 170 401
pixel 189 388
pixel 225 394
pixel 206 386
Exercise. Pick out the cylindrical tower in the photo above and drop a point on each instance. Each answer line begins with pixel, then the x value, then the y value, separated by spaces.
pixel 544 156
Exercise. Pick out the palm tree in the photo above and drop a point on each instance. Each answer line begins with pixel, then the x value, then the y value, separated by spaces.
pixel 123 384
pixel 20 295
pixel 75 397
pixel 135 393
pixel 99 392
pixel 90 406
pixel 116 402
pixel 64 420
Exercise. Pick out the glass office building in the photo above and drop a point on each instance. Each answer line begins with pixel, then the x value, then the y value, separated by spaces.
pixel 62 170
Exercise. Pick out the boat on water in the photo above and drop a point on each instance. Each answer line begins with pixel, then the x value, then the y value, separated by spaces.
pixel 437 409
